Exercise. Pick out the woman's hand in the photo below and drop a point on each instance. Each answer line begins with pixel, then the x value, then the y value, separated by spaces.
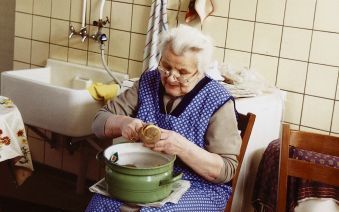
pixel 170 143
pixel 130 127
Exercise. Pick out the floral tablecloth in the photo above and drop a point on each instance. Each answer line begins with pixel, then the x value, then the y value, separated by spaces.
pixel 13 140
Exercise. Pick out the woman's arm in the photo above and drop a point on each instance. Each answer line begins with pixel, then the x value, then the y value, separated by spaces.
pixel 216 164
pixel 114 119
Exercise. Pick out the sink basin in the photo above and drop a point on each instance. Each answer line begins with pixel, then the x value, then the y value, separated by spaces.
pixel 55 97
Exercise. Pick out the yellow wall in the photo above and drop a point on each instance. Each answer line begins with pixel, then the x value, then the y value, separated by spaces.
pixel 294 44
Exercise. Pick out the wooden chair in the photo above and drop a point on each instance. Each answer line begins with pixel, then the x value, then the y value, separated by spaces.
pixel 245 125
pixel 298 168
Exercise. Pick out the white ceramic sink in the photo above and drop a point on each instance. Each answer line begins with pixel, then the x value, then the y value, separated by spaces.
pixel 48 97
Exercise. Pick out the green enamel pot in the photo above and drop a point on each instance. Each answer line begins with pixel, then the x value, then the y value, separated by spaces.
pixel 137 174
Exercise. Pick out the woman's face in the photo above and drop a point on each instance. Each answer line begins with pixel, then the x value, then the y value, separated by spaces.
pixel 179 74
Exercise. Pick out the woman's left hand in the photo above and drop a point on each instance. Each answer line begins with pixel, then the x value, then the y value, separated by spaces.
pixel 170 143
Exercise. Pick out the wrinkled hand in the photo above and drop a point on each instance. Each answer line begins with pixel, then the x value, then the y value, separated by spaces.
pixel 130 128
pixel 170 143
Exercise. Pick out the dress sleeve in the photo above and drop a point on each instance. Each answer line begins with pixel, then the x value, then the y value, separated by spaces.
pixel 124 104
pixel 223 138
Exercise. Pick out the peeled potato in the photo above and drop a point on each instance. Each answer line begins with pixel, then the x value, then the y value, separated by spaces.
pixel 150 134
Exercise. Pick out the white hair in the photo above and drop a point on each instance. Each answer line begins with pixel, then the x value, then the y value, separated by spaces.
pixel 185 38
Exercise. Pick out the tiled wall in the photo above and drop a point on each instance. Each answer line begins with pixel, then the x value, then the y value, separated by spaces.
pixel 294 44
pixel 7 13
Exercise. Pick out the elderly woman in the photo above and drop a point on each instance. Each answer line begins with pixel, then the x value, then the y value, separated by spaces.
pixel 197 120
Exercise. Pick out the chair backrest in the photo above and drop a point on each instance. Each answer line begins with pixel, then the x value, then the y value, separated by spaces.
pixel 299 168
pixel 245 125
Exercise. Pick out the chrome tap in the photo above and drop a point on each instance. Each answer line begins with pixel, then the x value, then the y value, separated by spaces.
pixel 83 33
pixel 99 36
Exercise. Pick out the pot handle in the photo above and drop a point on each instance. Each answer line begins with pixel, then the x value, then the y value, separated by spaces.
pixel 100 156
pixel 172 180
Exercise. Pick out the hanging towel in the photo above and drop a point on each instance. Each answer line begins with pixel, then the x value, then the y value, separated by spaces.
pixel 103 92
pixel 156 24
pixel 201 8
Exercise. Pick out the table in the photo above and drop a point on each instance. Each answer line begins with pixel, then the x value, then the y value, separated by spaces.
pixel 268 109
pixel 266 184
pixel 13 141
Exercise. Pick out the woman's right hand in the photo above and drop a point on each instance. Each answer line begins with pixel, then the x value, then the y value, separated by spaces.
pixel 130 127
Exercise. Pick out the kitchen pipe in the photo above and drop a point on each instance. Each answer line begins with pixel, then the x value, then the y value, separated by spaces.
pixel 102 4
pixel 84 7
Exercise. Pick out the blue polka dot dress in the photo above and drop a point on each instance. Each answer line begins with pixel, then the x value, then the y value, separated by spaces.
pixel 190 118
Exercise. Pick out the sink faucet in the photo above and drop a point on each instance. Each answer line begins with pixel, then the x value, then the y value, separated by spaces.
pixel 83 32
pixel 99 36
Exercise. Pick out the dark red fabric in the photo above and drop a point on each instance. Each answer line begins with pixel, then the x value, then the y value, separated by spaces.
pixel 266 183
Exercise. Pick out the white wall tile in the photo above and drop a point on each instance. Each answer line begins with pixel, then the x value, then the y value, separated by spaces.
pixel 19 65
pixel 300 13
pixel 267 39
pixel 266 66
pixel 292 75
pixel 239 11
pixel 140 18
pixel 42 7
pixel 218 36
pixel 337 96
pixel 41 28
pixel 327 16
pixel 317 113
pixel 118 64
pixel 321 81
pixel 184 5
pixel 334 134
pixel 239 35
pixel 295 43
pixel 307 129
pixel 271 11
pixel 40 53
pixel 77 56
pixel 293 107
pixel 237 59
pixel 94 60
pixel 22 49
pixel 134 69
pixel 76 11
pixel 221 8
pixel 325 48
pixel 24 6
pixel 126 1
pixel 121 48
pixel 61 9
pixel 58 52
pixel 59 32
pixel 218 54
pixel 335 121
pixel 143 2
pixel 173 5
pixel 121 16
pixel 23 25
pixel 171 18
pixel 137 46
pixel 294 127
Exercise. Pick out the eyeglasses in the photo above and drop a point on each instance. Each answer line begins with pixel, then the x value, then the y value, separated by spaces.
pixel 181 79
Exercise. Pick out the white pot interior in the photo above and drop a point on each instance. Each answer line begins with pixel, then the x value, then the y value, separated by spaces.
pixel 136 155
